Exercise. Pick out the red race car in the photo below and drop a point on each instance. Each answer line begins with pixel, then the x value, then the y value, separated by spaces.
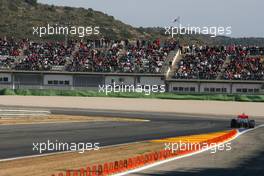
pixel 242 121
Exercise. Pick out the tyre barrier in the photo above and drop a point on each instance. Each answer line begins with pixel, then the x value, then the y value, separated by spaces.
pixel 120 166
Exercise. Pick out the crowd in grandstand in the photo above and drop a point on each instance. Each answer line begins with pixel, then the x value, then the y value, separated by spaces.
pixel 122 56
pixel 198 62
pixel 223 62
pixel 201 63
pixel 88 56
pixel 27 55
pixel 244 65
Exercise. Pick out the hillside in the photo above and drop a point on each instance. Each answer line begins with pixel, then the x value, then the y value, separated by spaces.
pixel 19 16
pixel 206 39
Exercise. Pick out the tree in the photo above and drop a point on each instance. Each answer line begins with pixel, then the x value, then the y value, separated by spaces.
pixel 32 2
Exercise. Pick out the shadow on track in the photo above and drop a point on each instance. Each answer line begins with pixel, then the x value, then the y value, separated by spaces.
pixel 249 166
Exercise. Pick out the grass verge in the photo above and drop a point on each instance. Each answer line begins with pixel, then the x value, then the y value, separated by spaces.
pixel 173 96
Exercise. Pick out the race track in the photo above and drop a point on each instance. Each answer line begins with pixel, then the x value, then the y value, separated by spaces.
pixel 17 140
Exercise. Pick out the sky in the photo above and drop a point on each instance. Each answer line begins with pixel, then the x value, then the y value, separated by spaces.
pixel 244 16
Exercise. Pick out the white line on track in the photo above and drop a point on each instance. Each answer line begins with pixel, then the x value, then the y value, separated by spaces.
pixel 24 114
pixel 23 110
pixel 187 155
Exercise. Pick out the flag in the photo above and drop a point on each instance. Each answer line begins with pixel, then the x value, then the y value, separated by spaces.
pixel 176 19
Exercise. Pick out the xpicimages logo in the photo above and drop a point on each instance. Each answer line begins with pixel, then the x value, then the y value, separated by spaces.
pixel 80 31
pixel 183 146
pixel 124 88
pixel 49 145
pixel 213 31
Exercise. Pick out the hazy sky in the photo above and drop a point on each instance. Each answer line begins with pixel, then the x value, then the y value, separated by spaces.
pixel 244 16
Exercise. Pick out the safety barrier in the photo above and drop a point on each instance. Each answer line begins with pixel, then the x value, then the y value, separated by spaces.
pixel 120 166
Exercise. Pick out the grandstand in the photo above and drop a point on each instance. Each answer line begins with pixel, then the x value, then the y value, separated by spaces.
pixel 221 63
pixel 91 56
pixel 88 64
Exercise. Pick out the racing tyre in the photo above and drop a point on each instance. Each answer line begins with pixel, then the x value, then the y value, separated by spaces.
pixel 252 124
pixel 233 123
pixel 246 125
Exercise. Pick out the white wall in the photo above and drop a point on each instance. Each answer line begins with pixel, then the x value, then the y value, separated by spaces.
pixel 227 86
pixel 245 86
pixel 215 86
pixel 58 77
pixel 6 75
pixel 149 80
pixel 184 85
pixel 127 80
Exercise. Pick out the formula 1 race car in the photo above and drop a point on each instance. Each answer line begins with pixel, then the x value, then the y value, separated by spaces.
pixel 242 121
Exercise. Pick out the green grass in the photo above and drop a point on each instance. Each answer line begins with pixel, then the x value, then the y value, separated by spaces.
pixel 172 96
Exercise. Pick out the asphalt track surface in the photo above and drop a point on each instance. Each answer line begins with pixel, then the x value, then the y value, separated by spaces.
pixel 17 140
